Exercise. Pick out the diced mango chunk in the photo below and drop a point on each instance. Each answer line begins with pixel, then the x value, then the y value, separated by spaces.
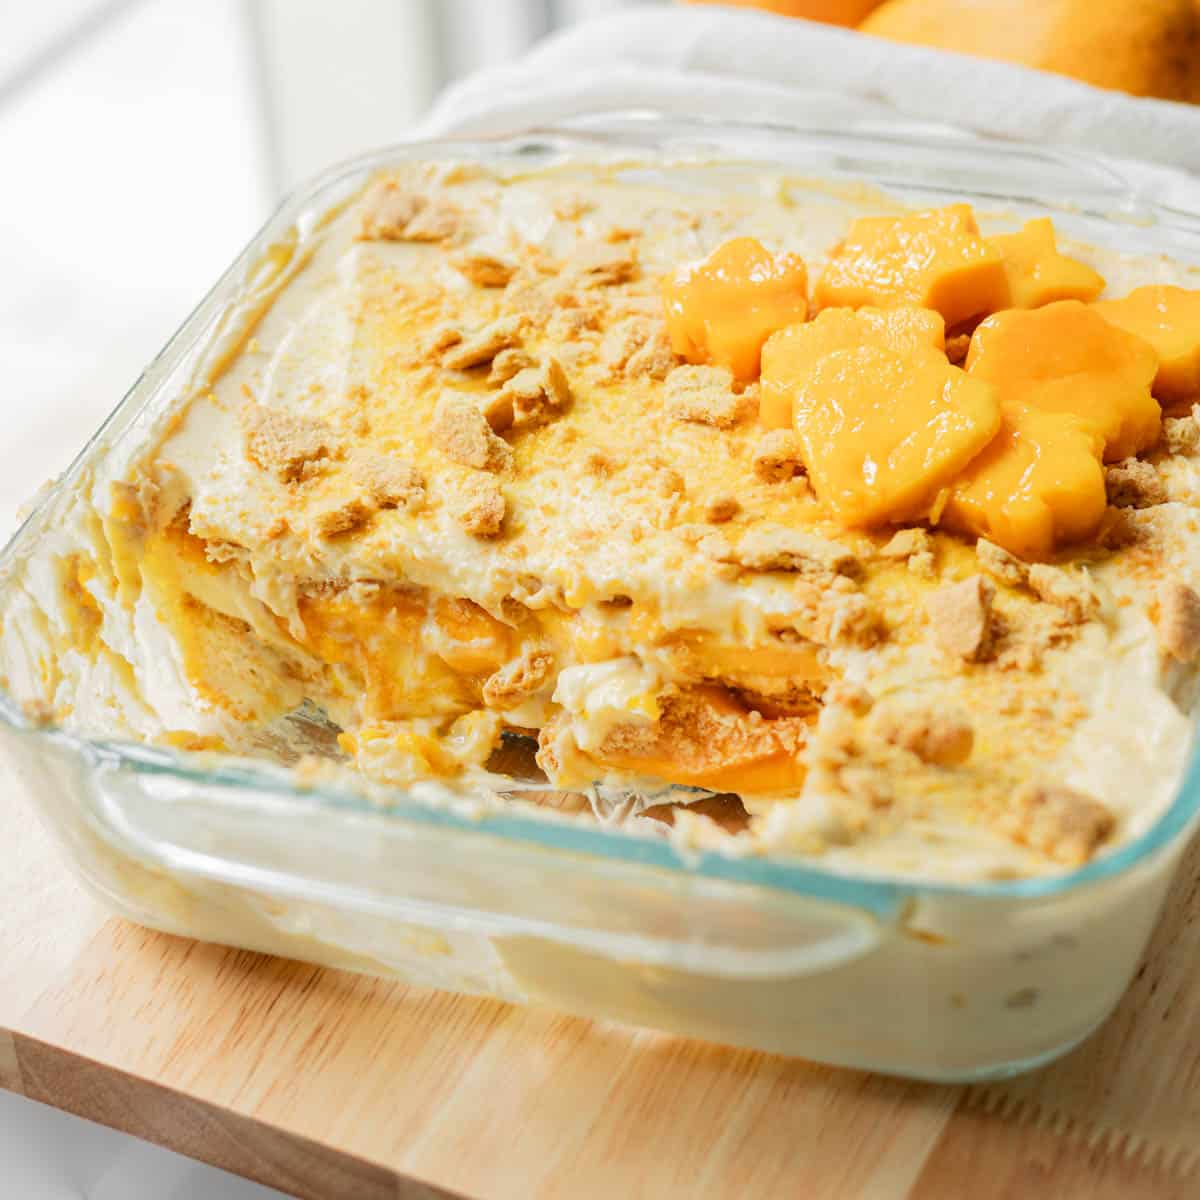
pixel 1067 358
pixel 1169 319
pixel 933 259
pixel 1037 273
pixel 905 329
pixel 882 428
pixel 1037 485
pixel 721 310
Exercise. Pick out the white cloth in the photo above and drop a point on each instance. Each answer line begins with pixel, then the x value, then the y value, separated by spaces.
pixel 755 66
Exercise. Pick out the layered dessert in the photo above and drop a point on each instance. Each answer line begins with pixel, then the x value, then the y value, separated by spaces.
pixel 799 523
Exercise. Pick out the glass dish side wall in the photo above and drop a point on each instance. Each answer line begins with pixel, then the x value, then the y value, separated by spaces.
pixel 938 982
pixel 942 987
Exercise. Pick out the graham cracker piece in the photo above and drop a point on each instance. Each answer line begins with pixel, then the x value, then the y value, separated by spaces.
pixel 960 617
pixel 705 396
pixel 480 507
pixel 290 447
pixel 522 677
pixel 462 433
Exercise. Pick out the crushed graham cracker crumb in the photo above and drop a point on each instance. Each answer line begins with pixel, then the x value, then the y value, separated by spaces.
pixel 636 347
pixel 1133 483
pixel 1058 821
pixel 960 616
pixel 705 396
pixel 483 268
pixel 480 348
pixel 290 447
pixel 1068 590
pixel 1181 435
pixel 522 677
pixel 777 456
pixel 392 214
pixel 720 509
pixel 939 738
pixel 855 621
pixel 771 547
pixel 508 363
pixel 1001 564
pixel 461 431
pixel 537 394
pixel 605 265
pixel 1179 621
pixel 347 516
pixel 480 507
pixel 441 338
pixel 390 482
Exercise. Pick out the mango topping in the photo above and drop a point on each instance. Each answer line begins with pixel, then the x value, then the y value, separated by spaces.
pixel 721 310
pixel 884 421
pixel 1037 273
pixel 906 330
pixel 1169 319
pixel 1066 358
pixel 933 259
pixel 1038 484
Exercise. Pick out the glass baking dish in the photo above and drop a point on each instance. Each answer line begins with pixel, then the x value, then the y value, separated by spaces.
pixel 934 981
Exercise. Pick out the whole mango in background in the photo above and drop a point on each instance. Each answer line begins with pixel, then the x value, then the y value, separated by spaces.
pixel 832 12
pixel 1145 47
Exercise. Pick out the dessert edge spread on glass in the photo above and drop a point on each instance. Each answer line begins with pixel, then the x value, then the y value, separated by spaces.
pixel 798 524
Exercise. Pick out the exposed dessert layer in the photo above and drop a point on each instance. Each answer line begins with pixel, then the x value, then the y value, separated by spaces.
pixel 458 473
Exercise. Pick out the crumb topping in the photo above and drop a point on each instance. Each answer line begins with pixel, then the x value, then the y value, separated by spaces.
pixel 517 680
pixel 1179 621
pixel 1068 590
pixel 1134 483
pixel 720 509
pixel 1000 564
pixel 769 547
pixel 535 395
pixel 393 214
pixel 960 617
pixel 940 738
pixel 462 433
pixel 480 506
pixel 292 448
pixel 1058 821
pixel 389 482
pixel 705 395
pixel 481 348
pixel 483 268
pixel 777 456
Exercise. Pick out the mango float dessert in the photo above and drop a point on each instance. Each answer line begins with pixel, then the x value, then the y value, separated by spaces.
pixel 800 524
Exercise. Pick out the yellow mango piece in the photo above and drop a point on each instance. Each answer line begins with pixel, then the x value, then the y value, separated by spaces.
pixel 934 259
pixel 1147 47
pixel 884 421
pixel 1037 273
pixel 788 353
pixel 1038 485
pixel 721 310
pixel 1067 358
pixel 1169 319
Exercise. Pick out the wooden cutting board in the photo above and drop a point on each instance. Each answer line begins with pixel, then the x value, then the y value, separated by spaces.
pixel 332 1085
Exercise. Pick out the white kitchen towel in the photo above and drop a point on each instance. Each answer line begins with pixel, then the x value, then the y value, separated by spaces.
pixel 754 66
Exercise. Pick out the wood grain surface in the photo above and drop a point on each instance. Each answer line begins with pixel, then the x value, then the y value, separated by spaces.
pixel 326 1084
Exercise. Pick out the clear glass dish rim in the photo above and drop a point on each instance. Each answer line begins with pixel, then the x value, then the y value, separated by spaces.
pixel 611 129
